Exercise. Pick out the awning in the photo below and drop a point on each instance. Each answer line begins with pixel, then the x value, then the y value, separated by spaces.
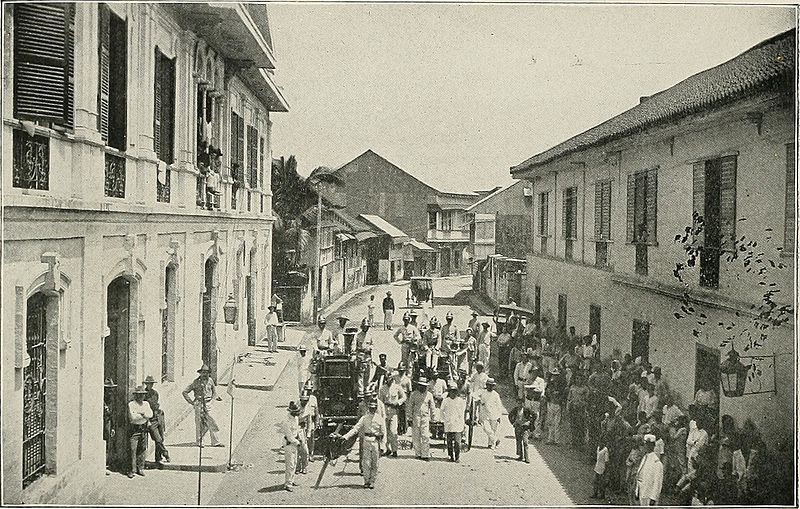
pixel 362 236
pixel 421 246
pixel 262 85
pixel 344 237
pixel 386 227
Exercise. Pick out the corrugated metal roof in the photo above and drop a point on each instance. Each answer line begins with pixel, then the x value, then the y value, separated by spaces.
pixel 420 245
pixel 765 63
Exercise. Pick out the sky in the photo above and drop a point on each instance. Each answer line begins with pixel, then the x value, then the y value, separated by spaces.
pixel 457 94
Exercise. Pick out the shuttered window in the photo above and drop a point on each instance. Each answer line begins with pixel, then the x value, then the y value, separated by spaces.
pixel 789 224
pixel 164 108
pixel 602 210
pixel 642 207
pixel 261 163
pixel 112 87
pixel 237 147
pixel 569 223
pixel 544 205
pixel 714 199
pixel 44 36
pixel 252 156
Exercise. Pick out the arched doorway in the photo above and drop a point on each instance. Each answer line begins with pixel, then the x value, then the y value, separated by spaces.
pixel 116 362
pixel 209 346
pixel 168 323
pixel 34 392
pixel 250 298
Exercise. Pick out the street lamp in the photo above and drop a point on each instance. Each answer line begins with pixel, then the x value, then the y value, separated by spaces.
pixel 733 375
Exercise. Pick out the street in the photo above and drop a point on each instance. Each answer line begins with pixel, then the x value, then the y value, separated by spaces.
pixel 491 477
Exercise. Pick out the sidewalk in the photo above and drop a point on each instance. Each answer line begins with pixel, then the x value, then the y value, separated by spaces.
pixel 257 370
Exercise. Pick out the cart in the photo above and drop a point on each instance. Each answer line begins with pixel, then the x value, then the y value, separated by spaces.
pixel 419 290
pixel 507 314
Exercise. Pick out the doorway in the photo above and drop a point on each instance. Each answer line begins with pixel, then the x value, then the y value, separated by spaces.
pixel 208 352
pixel 640 340
pixel 168 324
pixel 594 325
pixel 562 313
pixel 116 361
pixel 706 369
pixel 250 290
pixel 445 254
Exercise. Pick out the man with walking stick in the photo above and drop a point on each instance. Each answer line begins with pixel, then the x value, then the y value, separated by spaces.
pixel 205 391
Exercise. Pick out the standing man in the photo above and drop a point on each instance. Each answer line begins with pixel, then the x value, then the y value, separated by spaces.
pixel 491 411
pixel 484 343
pixel 394 398
pixel 204 392
pixel 474 324
pixel 421 407
pixel 109 429
pixel 157 423
pixel 521 418
pixel 554 394
pixel 381 375
pixel 139 415
pixel 477 386
pixel 325 338
pixel 650 476
pixel 271 322
pixel 303 368
pixel 388 311
pixel 290 429
pixel 406 336
pixel 371 428
pixel 309 417
pixel 522 374
pixel 371 311
pixel 339 340
pixel 453 409
pixel 449 331
pixel 405 383
pixel 277 303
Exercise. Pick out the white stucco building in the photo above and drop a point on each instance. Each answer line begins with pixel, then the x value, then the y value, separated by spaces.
pixel 136 193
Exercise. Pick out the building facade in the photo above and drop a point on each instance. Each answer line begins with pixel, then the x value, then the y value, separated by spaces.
pixel 500 223
pixel 373 185
pixel 135 206
pixel 611 210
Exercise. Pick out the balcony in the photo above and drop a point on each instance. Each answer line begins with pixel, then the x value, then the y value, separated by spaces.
pixel 448 236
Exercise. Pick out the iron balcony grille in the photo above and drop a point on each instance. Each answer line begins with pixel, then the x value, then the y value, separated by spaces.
pixel 163 185
pixel 31 161
pixel 115 176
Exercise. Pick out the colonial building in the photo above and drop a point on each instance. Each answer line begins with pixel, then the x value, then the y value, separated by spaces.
pixel 612 206
pixel 500 222
pixel 135 206
pixel 373 185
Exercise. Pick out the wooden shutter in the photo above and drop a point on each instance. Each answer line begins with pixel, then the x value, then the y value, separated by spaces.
pixel 565 208
pixel 69 101
pixel 605 214
pixel 699 193
pixel 157 109
pixel 240 147
pixel 118 84
pixel 261 163
pixel 42 56
pixel 104 54
pixel 574 212
pixel 631 207
pixel 598 210
pixel 651 203
pixel 727 201
pixel 789 221
pixel 167 110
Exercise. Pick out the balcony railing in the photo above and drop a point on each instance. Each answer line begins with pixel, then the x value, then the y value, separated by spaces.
pixel 115 176
pixel 448 235
pixel 31 161
pixel 163 176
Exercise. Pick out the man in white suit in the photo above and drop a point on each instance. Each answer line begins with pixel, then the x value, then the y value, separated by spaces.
pixel 650 475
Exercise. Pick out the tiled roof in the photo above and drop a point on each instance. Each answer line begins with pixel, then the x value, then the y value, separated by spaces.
pixel 763 64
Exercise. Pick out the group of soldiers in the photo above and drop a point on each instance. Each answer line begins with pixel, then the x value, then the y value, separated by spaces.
pixel 440 385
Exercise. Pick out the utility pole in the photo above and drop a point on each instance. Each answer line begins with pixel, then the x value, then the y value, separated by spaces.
pixel 318 268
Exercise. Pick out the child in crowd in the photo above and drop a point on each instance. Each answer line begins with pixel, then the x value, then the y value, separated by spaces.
pixel 600 470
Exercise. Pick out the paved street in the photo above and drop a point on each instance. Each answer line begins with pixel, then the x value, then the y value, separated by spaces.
pixel 482 477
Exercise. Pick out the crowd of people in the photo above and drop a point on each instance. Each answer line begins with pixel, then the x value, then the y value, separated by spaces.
pixel 620 412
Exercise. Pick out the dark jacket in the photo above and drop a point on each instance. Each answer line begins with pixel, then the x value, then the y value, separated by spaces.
pixel 388 303
pixel 521 418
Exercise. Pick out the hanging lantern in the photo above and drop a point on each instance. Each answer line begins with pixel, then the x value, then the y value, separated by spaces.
pixel 733 375
pixel 231 309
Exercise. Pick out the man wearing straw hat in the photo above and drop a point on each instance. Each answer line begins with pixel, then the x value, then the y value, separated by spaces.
pixel 271 321
pixel 371 428
pixel 139 415
pixel 421 407
pixel 388 311
pixel 491 411
pixel 290 429
pixel 204 391
pixel 157 422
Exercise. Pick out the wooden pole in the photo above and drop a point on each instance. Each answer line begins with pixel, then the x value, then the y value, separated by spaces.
pixel 318 271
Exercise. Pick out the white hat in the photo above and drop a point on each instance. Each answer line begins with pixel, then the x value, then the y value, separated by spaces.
pixel 650 438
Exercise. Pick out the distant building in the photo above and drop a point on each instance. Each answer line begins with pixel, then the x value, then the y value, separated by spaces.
pixel 500 222
pixel 611 202
pixel 135 206
pixel 375 186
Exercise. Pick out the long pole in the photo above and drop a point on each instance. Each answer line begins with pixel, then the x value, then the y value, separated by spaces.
pixel 231 389
pixel 318 271
pixel 200 460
